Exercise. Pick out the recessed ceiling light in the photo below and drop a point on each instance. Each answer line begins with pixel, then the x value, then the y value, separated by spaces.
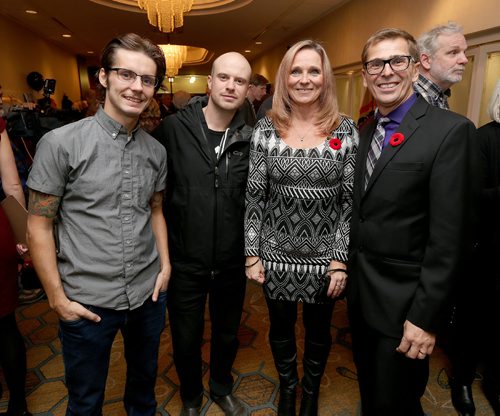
pixel 192 80
pixel 258 42
pixel 31 11
pixel 66 35
pixel 90 52
pixel 248 50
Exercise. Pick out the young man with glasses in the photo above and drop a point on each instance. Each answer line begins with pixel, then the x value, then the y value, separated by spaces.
pixel 412 198
pixel 97 234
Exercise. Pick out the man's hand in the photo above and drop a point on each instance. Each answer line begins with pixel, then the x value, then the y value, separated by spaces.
pixel 416 343
pixel 73 311
pixel 162 280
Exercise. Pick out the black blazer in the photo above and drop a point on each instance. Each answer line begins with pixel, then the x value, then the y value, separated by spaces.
pixel 411 226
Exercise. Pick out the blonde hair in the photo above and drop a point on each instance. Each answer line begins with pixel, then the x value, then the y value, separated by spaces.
pixel 327 117
pixel 494 106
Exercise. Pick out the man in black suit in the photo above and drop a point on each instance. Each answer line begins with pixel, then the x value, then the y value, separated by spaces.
pixel 409 234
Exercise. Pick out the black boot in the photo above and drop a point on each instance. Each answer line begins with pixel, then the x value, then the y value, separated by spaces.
pixel 285 360
pixel 461 397
pixel 314 362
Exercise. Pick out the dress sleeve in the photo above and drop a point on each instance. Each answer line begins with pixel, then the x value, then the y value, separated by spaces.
pixel 256 192
pixel 341 244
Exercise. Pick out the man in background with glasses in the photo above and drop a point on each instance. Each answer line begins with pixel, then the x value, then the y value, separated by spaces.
pixel 412 196
pixel 97 234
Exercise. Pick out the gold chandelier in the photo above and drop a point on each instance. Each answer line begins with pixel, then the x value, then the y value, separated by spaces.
pixel 166 14
pixel 175 56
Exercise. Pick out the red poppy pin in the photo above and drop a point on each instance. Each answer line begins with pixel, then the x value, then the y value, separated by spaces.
pixel 335 143
pixel 396 139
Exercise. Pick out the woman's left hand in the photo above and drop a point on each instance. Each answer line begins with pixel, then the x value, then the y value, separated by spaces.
pixel 338 275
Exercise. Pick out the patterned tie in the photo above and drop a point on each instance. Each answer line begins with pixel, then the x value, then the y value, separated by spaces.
pixel 375 147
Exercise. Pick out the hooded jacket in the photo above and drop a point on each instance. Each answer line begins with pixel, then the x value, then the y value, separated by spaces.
pixel 205 194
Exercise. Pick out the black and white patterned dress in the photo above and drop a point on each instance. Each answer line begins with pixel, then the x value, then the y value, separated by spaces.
pixel 298 208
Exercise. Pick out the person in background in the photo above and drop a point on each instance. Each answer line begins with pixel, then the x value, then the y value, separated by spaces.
pixel 256 91
pixel 181 99
pixel 442 63
pixel 166 105
pixel 97 234
pixel 207 148
pixel 489 247
pixel 298 209
pixel 150 117
pixel 12 348
pixel 415 163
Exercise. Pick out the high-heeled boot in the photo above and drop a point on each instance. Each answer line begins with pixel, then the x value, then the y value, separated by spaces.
pixel 285 360
pixel 314 362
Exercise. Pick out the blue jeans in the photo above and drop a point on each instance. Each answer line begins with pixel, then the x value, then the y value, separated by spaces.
pixel 86 348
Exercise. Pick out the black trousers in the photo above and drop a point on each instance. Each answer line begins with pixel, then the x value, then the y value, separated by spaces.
pixel 187 297
pixel 390 384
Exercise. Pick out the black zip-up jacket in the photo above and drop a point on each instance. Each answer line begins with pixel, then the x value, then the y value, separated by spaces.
pixel 205 195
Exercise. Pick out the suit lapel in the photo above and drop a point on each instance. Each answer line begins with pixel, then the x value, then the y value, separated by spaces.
pixel 407 128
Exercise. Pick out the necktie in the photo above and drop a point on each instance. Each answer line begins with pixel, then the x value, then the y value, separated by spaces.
pixel 375 147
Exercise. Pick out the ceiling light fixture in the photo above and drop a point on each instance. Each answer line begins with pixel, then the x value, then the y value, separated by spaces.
pixel 166 14
pixel 31 11
pixel 175 56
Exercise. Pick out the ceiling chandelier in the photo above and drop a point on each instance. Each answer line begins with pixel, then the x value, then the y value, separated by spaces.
pixel 166 14
pixel 175 56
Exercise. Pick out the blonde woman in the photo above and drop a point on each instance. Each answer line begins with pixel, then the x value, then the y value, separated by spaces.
pixel 298 207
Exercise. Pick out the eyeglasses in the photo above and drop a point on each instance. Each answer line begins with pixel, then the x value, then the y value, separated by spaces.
pixel 397 64
pixel 128 76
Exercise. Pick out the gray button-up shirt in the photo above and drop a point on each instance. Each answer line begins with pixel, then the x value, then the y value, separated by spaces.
pixel 107 253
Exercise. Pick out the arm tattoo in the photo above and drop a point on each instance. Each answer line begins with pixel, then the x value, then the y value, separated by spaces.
pixel 156 200
pixel 43 205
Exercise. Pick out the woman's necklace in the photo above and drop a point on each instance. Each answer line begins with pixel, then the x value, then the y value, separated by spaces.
pixel 303 136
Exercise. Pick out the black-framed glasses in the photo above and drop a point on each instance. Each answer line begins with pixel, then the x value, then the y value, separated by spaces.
pixel 128 76
pixel 397 64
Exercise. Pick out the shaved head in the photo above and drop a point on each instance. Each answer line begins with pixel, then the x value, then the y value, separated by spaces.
pixel 233 58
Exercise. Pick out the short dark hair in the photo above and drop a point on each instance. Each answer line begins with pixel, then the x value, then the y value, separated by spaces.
pixel 391 33
pixel 135 43
pixel 258 80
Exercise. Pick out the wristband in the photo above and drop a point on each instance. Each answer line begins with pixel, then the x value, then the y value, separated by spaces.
pixel 337 270
pixel 253 264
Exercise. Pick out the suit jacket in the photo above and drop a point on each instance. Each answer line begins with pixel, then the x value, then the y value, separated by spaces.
pixel 411 227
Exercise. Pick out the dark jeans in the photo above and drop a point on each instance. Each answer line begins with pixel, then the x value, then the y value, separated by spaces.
pixel 86 348
pixel 186 309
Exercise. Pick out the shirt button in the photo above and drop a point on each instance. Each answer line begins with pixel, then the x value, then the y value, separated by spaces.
pixel 114 134
pixel 126 218
pixel 126 196
pixel 129 242
pixel 127 172
pixel 129 265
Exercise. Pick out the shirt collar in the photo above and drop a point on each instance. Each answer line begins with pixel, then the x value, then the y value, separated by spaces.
pixel 398 113
pixel 113 127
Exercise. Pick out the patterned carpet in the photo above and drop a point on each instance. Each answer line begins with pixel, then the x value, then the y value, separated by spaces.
pixel 254 372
